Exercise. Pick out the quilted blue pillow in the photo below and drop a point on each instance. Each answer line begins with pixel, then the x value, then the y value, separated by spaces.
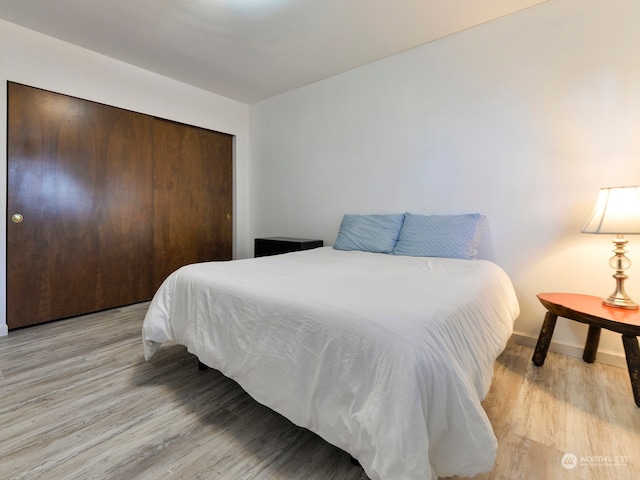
pixel 369 233
pixel 448 236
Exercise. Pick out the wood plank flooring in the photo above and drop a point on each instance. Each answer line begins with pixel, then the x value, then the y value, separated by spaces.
pixel 567 406
pixel 78 401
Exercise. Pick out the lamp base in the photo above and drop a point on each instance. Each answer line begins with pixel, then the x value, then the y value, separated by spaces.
pixel 618 302
pixel 619 262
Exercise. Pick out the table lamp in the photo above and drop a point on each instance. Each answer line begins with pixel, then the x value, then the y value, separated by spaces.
pixel 617 212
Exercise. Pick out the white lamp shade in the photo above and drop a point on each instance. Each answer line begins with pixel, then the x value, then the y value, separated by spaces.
pixel 617 212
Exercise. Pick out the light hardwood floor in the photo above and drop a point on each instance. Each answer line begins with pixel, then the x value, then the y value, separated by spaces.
pixel 78 401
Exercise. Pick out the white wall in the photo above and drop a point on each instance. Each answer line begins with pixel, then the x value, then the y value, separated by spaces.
pixel 522 119
pixel 40 61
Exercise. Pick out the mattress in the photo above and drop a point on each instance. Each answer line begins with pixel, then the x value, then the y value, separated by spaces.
pixel 386 357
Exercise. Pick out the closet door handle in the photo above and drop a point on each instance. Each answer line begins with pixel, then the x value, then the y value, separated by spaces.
pixel 16 218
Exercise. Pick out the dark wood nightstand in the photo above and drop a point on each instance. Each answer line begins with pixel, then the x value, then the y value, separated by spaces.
pixel 591 310
pixel 276 245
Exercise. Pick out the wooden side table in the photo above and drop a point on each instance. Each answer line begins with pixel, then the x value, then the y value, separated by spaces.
pixel 590 310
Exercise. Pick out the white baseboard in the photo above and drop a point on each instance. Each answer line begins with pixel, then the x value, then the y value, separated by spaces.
pixel 4 330
pixel 608 358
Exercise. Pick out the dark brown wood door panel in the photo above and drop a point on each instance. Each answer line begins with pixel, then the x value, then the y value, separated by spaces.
pixel 80 174
pixel 193 196
pixel 83 176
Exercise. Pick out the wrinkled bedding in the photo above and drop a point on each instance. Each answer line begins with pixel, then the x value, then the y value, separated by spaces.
pixel 386 357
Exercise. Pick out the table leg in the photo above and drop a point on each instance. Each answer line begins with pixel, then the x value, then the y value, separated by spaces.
pixel 632 352
pixel 546 332
pixel 591 347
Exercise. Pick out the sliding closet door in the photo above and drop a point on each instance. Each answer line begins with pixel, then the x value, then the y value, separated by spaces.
pixel 80 206
pixel 193 196
pixel 104 203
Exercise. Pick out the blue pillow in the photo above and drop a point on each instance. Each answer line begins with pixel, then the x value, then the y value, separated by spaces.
pixel 448 236
pixel 369 233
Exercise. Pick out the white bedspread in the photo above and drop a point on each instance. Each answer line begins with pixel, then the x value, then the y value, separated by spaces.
pixel 386 357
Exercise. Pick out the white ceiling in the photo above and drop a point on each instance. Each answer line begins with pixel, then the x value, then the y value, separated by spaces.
pixel 249 50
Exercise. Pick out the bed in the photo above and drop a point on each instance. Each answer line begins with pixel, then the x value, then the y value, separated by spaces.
pixel 384 356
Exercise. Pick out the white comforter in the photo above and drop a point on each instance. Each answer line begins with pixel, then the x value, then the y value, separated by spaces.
pixel 386 357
